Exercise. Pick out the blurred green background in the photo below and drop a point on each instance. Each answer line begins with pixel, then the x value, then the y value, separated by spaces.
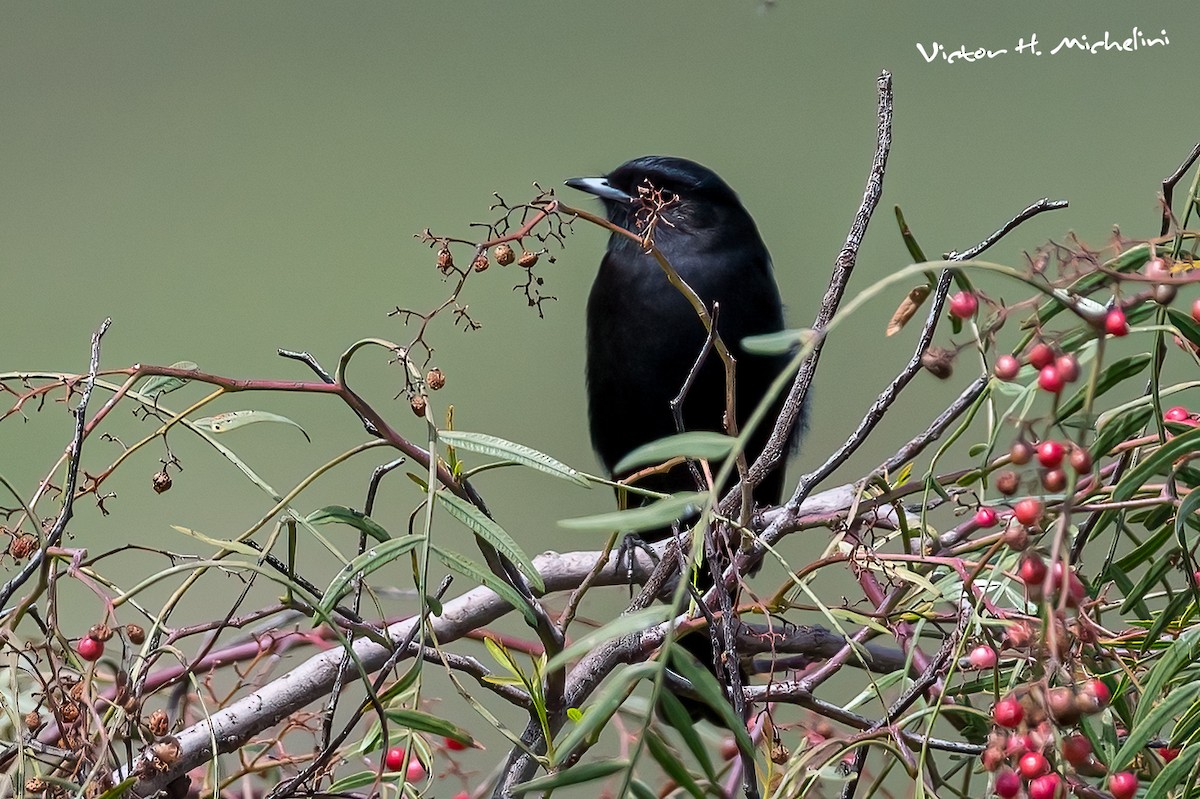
pixel 226 179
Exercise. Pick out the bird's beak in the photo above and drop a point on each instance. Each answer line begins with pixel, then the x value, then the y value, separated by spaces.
pixel 601 188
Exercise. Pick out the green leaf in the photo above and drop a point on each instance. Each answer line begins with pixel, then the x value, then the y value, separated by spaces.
pixel 619 627
pixel 510 452
pixel 1155 573
pixel 1114 374
pixel 479 574
pixel 489 531
pixel 1151 723
pixel 659 514
pixel 709 690
pixel 699 444
pixel 374 558
pixel 1173 773
pixel 1181 653
pixel 1187 326
pixel 671 764
pixel 424 722
pixel 1113 430
pixel 605 702
pixel 1160 460
pixel 584 772
pixel 340 514
pixel 220 543
pixel 783 342
pixel 678 717
pixel 158 385
pixel 227 422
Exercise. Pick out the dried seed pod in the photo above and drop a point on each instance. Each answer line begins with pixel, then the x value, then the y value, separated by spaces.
pixel 135 634
pixel 527 259
pixel 158 723
pixel 22 547
pixel 435 379
pixel 480 264
pixel 33 720
pixel 418 403
pixel 445 260
pixel 504 254
pixel 161 482
pixel 100 632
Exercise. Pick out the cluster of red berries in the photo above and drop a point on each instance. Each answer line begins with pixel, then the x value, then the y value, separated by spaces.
pixel 397 758
pixel 1021 749
pixel 1055 371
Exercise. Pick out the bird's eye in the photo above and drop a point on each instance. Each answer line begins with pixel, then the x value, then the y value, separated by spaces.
pixel 669 197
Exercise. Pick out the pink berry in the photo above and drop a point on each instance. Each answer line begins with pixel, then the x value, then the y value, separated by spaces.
pixel 1067 367
pixel 415 771
pixel 1196 310
pixel 89 648
pixel 1008 784
pixel 1123 785
pixel 963 305
pixel 1041 355
pixel 1050 453
pixel 1177 414
pixel 1045 787
pixel 1077 750
pixel 1006 367
pixel 986 517
pixel 1156 269
pixel 1032 570
pixel 1028 511
pixel 395 758
pixel 1033 764
pixel 1115 323
pixel 1008 712
pixel 1050 380
pixel 982 657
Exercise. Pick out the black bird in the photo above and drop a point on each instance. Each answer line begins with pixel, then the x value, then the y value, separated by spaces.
pixel 643 337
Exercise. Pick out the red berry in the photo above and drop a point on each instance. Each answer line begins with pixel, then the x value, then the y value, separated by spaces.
pixel 1196 310
pixel 1045 787
pixel 1177 414
pixel 1098 689
pixel 1032 570
pixel 1041 355
pixel 986 517
pixel 1168 753
pixel 455 745
pixel 982 657
pixel 462 795
pixel 1019 744
pixel 1123 785
pixel 1050 380
pixel 1077 750
pixel 1115 323
pixel 1028 511
pixel 1081 460
pixel 1006 367
pixel 1050 453
pixel 963 305
pixel 89 648
pixel 415 771
pixel 1008 712
pixel 1068 367
pixel 1008 784
pixel 1033 764
pixel 395 758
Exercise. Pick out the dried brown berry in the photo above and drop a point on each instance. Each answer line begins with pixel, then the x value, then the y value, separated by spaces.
pixel 435 379
pixel 161 482
pixel 33 720
pixel 480 264
pixel 1021 452
pixel 100 632
pixel 1054 480
pixel 68 712
pixel 166 750
pixel 445 260
pixel 22 547
pixel 1007 482
pixel 135 634
pixel 527 259
pixel 1164 293
pixel 1061 704
pixel 939 362
pixel 158 723
pixel 1016 537
pixel 418 403
pixel 504 254
pixel 35 785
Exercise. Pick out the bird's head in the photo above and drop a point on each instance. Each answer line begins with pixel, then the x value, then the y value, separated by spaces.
pixel 686 197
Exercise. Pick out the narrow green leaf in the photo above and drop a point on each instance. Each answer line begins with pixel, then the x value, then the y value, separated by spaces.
pixel 709 690
pixel 678 717
pixel 489 531
pixel 621 626
pixel 340 514
pixel 1152 722
pixel 1116 429
pixel 698 444
pixel 1189 506
pixel 227 422
pixel 425 722
pixel 783 342
pixel 671 764
pixel 605 702
pixel 374 558
pixel 1173 773
pixel 1181 653
pixel 910 241
pixel 641 790
pixel 479 574
pixel 659 514
pixel 119 789
pixel 220 543
pixel 1112 375
pixel 1153 574
pixel 511 452
pixel 160 384
pixel 1187 326
pixel 1160 460
pixel 584 772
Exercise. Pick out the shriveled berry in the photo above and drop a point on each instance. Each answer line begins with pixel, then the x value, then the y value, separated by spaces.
pixel 1008 784
pixel 89 648
pixel 135 633
pixel 418 403
pixel 1060 702
pixel 445 260
pixel 1054 480
pixel 1050 453
pixel 1041 355
pixel 1006 367
pixel 1050 380
pixel 1068 367
pixel 986 517
pixel 480 264
pixel 503 254
pixel 1007 482
pixel 1115 323
pixel 1028 511
pixel 1016 537
pixel 527 259
pixel 1047 786
pixel 435 379
pixel 1123 785
pixel 1077 750
pixel 1008 712
pixel 964 304
pixel 993 757
pixel 1033 764
pixel 161 482
pixel 939 362
pixel 1165 293
pixel 982 657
